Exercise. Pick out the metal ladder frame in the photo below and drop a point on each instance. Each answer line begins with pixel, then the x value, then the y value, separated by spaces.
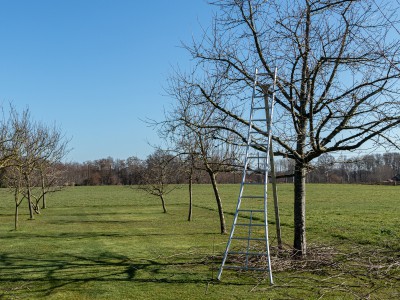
pixel 268 119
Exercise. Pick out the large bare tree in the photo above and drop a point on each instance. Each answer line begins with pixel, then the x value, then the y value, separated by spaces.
pixel 337 85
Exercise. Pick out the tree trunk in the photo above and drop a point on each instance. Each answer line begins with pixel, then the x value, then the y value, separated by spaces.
pixel 300 172
pixel 300 244
pixel 190 215
pixel 31 215
pixel 219 202
pixel 190 198
pixel 163 203
pixel 17 203
pixel 44 194
pixel 16 216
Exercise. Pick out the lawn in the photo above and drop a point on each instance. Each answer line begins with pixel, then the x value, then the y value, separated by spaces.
pixel 115 243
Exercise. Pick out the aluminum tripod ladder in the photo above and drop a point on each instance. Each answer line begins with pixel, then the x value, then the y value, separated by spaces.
pixel 248 245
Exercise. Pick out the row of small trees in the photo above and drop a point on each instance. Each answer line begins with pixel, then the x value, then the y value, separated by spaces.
pixel 371 168
pixel 30 153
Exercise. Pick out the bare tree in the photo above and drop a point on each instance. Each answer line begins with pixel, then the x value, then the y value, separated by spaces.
pixel 193 119
pixel 337 77
pixel 157 175
pixel 49 178
pixel 37 147
pixel 185 147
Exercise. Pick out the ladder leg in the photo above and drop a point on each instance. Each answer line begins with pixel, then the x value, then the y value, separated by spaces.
pixel 253 208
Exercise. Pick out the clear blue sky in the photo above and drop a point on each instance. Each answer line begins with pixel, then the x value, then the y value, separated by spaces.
pixel 95 67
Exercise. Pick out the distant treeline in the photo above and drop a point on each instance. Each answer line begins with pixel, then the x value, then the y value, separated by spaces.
pixel 372 168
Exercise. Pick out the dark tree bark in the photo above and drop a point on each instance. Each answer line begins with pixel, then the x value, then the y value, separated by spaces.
pixel 190 214
pixel 218 200
pixel 163 204
pixel 29 197
pixel 300 243
pixel 44 204
pixel 16 217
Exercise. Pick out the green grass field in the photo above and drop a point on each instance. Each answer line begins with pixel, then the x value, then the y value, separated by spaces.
pixel 115 243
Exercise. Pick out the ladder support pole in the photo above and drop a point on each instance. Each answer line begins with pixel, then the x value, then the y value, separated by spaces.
pixel 273 176
pixel 276 203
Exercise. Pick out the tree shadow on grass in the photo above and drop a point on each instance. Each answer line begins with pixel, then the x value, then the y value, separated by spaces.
pixel 44 275
pixel 91 235
pixel 213 209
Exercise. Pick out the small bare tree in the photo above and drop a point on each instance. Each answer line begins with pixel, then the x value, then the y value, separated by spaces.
pixel 184 146
pixel 157 175
pixel 49 178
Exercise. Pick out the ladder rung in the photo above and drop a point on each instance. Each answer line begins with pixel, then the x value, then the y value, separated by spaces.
pixel 259 120
pixel 253 157
pixel 250 210
pixel 247 239
pixel 257 96
pixel 263 74
pixel 254 132
pixel 245 268
pixel 258 107
pixel 255 171
pixel 248 253
pixel 253 197
pixel 248 224
pixel 254 183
